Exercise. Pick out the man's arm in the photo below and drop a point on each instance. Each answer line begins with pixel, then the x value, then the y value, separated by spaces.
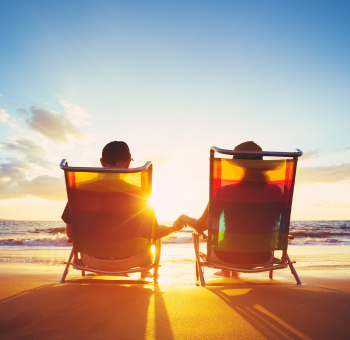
pixel 69 231
pixel 66 219
pixel 162 230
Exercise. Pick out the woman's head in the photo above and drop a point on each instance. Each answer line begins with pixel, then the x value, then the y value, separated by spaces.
pixel 248 146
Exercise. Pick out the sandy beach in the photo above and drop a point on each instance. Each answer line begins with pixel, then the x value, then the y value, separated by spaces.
pixel 33 305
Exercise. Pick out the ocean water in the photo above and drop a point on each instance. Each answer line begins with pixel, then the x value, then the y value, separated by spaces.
pixel 51 235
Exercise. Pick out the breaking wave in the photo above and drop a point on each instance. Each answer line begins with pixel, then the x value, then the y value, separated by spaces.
pixel 317 234
pixel 59 240
pixel 59 230
pixel 52 234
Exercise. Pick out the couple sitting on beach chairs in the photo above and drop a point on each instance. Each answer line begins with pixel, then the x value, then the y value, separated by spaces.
pixel 112 225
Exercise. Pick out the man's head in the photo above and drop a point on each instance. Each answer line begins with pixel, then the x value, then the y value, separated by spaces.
pixel 116 155
pixel 248 146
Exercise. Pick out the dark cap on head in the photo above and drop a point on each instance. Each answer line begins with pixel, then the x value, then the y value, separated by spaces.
pixel 248 146
pixel 115 152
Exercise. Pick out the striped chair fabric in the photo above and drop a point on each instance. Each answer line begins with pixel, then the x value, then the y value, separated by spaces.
pixel 250 205
pixel 110 213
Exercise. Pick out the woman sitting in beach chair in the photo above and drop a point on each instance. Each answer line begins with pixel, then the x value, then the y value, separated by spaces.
pixel 238 217
pixel 249 209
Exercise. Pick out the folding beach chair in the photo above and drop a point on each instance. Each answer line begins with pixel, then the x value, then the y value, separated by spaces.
pixel 250 204
pixel 111 219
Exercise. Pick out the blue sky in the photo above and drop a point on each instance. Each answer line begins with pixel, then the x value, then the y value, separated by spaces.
pixel 172 79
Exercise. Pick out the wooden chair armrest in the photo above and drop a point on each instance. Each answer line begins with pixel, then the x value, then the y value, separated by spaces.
pixel 200 233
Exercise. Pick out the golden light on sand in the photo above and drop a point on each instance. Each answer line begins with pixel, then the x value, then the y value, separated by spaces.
pixel 283 326
pixel 236 292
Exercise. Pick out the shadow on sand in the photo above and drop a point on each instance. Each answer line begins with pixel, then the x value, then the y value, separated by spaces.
pixel 86 308
pixel 107 308
pixel 279 310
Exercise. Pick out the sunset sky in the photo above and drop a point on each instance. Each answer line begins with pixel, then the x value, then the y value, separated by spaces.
pixel 173 79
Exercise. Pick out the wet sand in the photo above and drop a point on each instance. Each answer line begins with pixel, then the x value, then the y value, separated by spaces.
pixel 33 305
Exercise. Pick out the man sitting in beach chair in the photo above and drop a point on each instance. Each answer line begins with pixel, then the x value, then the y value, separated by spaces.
pixel 247 210
pixel 127 215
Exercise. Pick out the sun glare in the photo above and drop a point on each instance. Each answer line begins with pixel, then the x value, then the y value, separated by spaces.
pixel 150 201
pixel 165 203
pixel 175 193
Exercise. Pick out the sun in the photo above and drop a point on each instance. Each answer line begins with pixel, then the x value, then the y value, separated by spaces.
pixel 165 201
pixel 150 201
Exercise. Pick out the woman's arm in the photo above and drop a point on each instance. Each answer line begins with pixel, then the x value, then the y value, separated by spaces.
pixel 201 224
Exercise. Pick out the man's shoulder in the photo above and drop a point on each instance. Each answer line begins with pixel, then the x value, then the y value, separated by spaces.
pixel 108 185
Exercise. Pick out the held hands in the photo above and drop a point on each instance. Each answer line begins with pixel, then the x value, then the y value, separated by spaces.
pixel 178 224
pixel 193 223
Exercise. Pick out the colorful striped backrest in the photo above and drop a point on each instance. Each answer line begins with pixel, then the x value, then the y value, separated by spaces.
pixel 110 212
pixel 250 204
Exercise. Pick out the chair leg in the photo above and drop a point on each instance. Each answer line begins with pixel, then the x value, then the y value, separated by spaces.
pixel 293 271
pixel 271 274
pixel 201 275
pixel 157 261
pixel 155 275
pixel 83 273
pixel 199 268
pixel 63 278
pixel 195 252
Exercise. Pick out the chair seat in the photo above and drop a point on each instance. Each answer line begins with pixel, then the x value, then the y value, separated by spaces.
pixel 139 260
pixel 275 260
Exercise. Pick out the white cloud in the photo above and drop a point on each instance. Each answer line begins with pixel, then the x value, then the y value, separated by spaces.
pixel 23 112
pixel 321 203
pixel 14 183
pixel 343 149
pixel 326 204
pixel 324 174
pixel 26 166
pixel 157 161
pixel 310 155
pixel 76 113
pixel 56 127
pixel 4 116
pixel 29 150
pixel 48 187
